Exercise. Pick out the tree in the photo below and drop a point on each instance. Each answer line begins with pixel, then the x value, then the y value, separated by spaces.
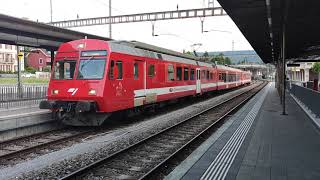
pixel 227 60
pixel 188 52
pixel 316 68
pixel 205 56
pixel 27 50
pixel 220 59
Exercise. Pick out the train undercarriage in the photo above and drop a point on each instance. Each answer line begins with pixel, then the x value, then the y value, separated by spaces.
pixel 75 113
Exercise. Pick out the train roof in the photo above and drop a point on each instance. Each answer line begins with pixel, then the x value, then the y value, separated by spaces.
pixel 142 49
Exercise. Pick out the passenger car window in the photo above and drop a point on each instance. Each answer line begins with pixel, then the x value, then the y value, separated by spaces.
pixel 203 74
pixel 192 74
pixel 170 72
pixel 119 67
pixel 186 74
pixel 136 70
pixel 111 70
pixel 151 70
pixel 179 73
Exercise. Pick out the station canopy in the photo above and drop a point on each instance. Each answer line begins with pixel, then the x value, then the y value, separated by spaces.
pixel 262 23
pixel 23 32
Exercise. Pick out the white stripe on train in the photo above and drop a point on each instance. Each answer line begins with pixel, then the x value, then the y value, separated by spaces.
pixel 175 89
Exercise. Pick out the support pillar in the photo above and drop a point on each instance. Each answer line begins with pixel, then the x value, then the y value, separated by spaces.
pixel 52 59
pixel 19 73
pixel 284 70
pixel 110 23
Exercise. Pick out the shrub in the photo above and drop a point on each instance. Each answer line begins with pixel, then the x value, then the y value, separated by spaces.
pixel 30 70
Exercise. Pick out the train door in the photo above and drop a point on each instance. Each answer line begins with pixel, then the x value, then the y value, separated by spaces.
pixel 198 83
pixel 139 78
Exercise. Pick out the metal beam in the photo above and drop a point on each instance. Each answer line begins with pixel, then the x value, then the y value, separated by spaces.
pixel 22 32
pixel 153 16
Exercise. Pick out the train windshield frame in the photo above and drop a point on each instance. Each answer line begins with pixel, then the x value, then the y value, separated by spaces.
pixel 91 68
pixel 64 69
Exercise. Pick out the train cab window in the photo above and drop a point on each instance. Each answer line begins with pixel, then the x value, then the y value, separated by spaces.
pixel 151 70
pixel 211 75
pixel 186 74
pixel 111 70
pixel 91 68
pixel 119 68
pixel 192 74
pixel 136 71
pixel 170 72
pixel 64 69
pixel 208 75
pixel 179 73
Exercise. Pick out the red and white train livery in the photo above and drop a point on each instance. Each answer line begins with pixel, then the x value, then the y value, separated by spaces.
pixel 93 78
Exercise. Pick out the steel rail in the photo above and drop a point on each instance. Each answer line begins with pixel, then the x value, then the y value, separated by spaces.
pixel 29 149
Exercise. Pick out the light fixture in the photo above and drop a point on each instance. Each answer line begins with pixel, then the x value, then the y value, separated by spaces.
pixel 55 91
pixel 92 92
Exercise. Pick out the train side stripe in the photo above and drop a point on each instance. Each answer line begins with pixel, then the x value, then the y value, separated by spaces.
pixel 175 89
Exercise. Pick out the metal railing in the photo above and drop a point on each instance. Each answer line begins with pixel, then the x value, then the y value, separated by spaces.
pixel 308 97
pixel 29 95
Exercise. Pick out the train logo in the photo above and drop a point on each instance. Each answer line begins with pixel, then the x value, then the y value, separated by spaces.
pixel 73 91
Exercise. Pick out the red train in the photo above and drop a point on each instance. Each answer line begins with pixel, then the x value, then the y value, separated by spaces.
pixel 93 78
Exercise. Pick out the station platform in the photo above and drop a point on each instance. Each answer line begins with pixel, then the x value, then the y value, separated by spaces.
pixel 18 111
pixel 258 142
pixel 22 121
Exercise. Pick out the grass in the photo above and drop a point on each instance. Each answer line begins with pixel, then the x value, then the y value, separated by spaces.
pixel 24 80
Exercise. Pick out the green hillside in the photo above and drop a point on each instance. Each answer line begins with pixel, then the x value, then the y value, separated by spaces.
pixel 237 57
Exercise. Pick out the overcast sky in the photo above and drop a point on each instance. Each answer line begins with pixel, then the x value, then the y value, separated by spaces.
pixel 182 33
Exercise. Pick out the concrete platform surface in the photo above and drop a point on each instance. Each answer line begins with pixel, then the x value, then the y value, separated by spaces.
pixel 258 143
pixel 21 111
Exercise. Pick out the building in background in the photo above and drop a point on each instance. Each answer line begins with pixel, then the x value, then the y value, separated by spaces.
pixel 9 58
pixel 303 73
pixel 38 59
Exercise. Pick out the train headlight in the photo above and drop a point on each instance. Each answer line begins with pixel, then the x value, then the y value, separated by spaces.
pixel 55 91
pixel 92 92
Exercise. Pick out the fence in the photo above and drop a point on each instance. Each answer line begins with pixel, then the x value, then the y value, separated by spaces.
pixel 30 95
pixel 309 97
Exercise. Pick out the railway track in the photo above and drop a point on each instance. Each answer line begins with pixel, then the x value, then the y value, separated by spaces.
pixel 21 147
pixel 144 159
pixel 16 150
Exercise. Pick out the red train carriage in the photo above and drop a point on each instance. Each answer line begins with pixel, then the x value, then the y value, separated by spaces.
pixel 93 78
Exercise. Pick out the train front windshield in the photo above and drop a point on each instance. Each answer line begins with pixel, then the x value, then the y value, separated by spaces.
pixel 64 69
pixel 91 68
pixel 91 65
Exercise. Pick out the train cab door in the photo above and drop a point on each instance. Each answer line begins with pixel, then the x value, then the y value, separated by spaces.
pixel 198 82
pixel 139 78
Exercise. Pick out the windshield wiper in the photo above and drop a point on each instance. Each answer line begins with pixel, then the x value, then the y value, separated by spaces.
pixel 87 61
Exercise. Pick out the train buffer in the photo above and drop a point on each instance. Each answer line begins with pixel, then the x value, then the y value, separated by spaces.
pixel 258 142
